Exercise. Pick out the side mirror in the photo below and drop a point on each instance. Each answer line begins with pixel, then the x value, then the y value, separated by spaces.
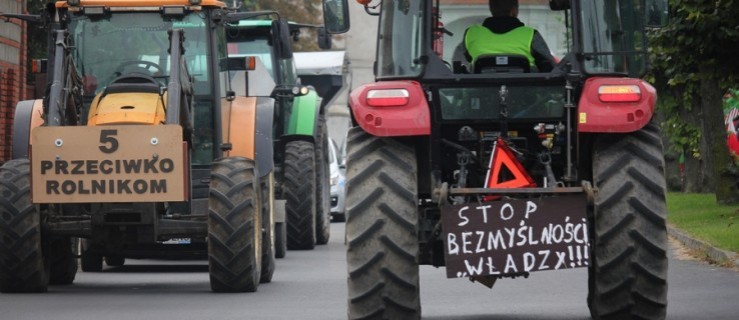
pixel 235 64
pixel 336 16
pixel 557 5
pixel 25 17
pixel 283 47
pixel 249 77
pixel 656 13
pixel 324 38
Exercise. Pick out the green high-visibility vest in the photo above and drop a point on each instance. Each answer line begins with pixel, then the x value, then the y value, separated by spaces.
pixel 480 40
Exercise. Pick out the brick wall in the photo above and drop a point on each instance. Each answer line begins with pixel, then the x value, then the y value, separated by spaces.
pixel 13 56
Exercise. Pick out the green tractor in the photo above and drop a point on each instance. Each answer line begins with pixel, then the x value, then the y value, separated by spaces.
pixel 301 138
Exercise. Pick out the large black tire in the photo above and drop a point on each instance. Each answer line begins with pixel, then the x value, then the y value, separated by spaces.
pixel 280 240
pixel 268 230
pixel 90 260
pixel 23 267
pixel 234 226
pixel 628 269
pixel 381 228
pixel 299 189
pixel 115 260
pixel 339 217
pixel 323 186
pixel 62 261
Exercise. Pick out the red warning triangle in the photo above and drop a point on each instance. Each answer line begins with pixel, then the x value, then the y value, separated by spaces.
pixel 504 165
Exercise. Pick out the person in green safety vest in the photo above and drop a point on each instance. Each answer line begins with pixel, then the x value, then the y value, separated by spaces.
pixel 503 33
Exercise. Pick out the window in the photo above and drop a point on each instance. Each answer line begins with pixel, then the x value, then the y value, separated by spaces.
pixel 535 102
pixel 106 48
pixel 399 53
pixel 613 37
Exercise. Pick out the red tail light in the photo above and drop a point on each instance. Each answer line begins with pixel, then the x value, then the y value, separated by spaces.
pixel 388 97
pixel 619 93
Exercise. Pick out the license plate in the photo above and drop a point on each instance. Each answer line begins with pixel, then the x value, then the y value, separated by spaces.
pixel 178 241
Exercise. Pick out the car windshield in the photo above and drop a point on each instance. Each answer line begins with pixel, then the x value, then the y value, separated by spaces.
pixel 108 47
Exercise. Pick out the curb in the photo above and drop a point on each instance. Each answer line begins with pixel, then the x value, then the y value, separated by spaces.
pixel 712 253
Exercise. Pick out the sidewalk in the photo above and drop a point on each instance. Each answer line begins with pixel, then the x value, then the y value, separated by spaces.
pixel 712 253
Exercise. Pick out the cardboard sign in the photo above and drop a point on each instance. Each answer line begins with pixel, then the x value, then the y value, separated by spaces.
pixel 510 237
pixel 127 163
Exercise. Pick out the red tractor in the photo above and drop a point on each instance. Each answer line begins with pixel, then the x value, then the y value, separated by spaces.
pixel 495 170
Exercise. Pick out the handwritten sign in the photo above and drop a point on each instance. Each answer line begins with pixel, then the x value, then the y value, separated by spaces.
pixel 515 236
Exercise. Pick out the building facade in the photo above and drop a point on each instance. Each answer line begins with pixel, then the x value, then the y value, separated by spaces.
pixel 13 87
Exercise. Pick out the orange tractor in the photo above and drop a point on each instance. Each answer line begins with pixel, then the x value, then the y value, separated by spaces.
pixel 140 148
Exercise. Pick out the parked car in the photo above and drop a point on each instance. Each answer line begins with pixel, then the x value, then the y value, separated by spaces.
pixel 337 181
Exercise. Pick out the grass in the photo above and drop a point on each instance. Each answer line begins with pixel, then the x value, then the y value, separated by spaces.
pixel 699 215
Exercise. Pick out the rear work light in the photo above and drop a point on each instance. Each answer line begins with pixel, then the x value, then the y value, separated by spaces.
pixel 388 97
pixel 619 93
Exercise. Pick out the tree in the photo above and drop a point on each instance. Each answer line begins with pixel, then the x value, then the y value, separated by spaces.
pixel 36 32
pixel 300 11
pixel 694 63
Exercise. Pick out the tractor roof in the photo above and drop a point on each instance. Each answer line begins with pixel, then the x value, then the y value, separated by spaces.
pixel 141 3
pixel 252 23
pixel 266 23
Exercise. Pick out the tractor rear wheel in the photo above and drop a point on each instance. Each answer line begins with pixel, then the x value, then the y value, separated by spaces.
pixel 268 230
pixel 381 228
pixel 280 240
pixel 323 187
pixel 234 227
pixel 23 267
pixel 299 189
pixel 90 260
pixel 628 269
pixel 62 261
pixel 115 260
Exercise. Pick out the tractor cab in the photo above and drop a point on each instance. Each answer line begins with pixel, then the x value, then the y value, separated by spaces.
pixel 427 56
pixel 124 61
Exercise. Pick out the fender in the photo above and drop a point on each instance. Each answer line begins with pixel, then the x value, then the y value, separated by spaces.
pixel 28 115
pixel 239 126
pixel 264 148
pixel 304 115
pixel 391 109
pixel 247 126
pixel 615 105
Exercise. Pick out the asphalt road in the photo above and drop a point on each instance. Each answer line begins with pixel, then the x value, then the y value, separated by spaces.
pixel 312 285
